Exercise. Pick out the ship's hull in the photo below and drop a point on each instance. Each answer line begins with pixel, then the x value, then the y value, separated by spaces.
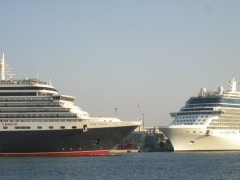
pixel 201 139
pixel 95 141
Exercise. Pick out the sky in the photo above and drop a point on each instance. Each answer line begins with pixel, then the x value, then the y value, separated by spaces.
pixel 151 54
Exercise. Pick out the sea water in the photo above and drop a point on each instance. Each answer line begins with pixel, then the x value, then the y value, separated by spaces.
pixel 157 165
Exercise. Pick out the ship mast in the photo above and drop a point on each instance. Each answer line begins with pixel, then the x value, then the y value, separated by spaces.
pixel 2 68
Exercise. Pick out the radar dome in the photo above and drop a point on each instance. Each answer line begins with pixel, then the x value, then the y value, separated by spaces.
pixel 220 90
pixel 202 92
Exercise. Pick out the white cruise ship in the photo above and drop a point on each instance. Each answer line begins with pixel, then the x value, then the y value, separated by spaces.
pixel 210 121
pixel 37 121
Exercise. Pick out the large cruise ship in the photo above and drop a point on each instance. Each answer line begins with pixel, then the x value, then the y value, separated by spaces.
pixel 36 120
pixel 210 121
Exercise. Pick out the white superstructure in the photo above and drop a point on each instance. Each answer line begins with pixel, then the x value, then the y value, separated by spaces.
pixel 210 121
pixel 36 105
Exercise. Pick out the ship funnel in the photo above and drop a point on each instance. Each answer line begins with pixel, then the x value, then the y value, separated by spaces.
pixel 2 68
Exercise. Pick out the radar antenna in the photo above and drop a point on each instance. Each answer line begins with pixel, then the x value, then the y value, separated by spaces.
pixel 5 70
pixel 2 68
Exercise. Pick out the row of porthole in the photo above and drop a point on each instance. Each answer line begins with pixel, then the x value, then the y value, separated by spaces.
pixel 39 127
pixel 186 120
pixel 225 124
pixel 190 116
pixel 43 120
pixel 37 115
pixel 188 124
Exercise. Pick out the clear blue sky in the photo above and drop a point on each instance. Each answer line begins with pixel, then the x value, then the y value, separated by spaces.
pixel 155 53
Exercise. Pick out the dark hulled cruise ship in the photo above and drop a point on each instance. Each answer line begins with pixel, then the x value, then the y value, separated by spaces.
pixel 36 120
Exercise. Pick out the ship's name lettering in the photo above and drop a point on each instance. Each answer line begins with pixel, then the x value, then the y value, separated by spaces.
pixel 9 124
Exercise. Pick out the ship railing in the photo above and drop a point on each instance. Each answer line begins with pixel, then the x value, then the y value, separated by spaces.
pixel 174 114
pixel 29 82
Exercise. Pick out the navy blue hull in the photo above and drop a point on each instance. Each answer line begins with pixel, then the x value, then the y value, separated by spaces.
pixel 62 140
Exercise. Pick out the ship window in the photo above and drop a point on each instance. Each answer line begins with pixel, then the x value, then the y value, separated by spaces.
pixel 62 127
pixel 5 127
pixel 74 127
pixel 22 127
pixel 39 127
pixel 50 127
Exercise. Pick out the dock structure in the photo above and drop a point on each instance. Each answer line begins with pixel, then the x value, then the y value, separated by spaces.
pixel 147 139
pixel 116 151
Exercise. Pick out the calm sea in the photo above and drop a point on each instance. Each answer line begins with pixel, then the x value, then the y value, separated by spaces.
pixel 158 165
